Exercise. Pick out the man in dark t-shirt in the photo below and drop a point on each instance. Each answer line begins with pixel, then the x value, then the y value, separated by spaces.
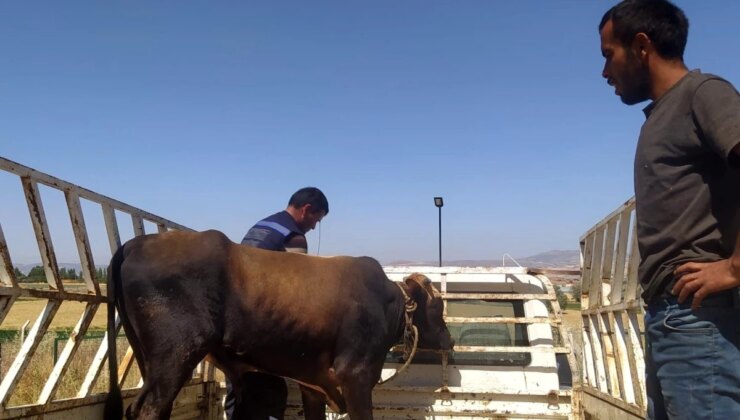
pixel 687 192
pixel 264 396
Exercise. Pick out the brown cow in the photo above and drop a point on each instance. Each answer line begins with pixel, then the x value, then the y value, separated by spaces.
pixel 326 323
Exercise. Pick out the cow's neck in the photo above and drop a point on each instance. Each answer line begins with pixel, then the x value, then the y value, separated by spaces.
pixel 403 293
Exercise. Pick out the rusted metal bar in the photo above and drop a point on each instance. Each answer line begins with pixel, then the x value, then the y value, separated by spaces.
pixel 7 272
pixel 596 285
pixel 48 180
pixel 28 348
pixel 138 223
pixel 83 242
pixel 632 304
pixel 637 356
pixel 587 246
pixel 623 363
pixel 6 302
pixel 41 229
pixel 589 368
pixel 607 266
pixel 125 367
pixel 96 366
pixel 598 358
pixel 610 357
pixel 553 271
pixel 50 294
pixel 632 291
pixel 65 358
pixel 111 227
pixel 497 349
pixel 502 320
pixel 621 257
pixel 499 296
pixel 627 204
pixel 635 410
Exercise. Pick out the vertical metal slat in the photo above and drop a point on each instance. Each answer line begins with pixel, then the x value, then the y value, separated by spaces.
pixel 41 229
pixel 597 347
pixel 83 242
pixel 65 358
pixel 595 289
pixel 607 273
pixel 621 262
pixel 111 228
pixel 138 223
pixel 28 349
pixel 7 272
pixel 624 368
pixel 97 364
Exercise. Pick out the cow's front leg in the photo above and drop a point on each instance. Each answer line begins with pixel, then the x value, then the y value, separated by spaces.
pixel 357 391
pixel 314 407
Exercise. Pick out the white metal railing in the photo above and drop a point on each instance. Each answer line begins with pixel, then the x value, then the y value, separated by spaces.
pixel 55 294
pixel 613 354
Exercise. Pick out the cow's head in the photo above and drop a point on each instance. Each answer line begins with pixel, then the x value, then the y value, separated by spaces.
pixel 428 316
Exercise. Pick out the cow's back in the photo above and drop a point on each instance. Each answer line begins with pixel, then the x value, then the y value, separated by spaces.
pixel 305 287
pixel 292 311
pixel 174 280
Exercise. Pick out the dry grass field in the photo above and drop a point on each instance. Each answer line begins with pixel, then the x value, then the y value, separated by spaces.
pixel 39 370
pixel 27 309
pixel 66 318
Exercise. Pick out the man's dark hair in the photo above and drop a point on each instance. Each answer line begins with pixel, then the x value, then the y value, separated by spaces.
pixel 312 196
pixel 665 24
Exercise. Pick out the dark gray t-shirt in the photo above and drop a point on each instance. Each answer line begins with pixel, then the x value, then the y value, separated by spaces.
pixel 687 183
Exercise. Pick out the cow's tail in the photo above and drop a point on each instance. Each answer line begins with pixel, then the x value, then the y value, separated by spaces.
pixel 114 401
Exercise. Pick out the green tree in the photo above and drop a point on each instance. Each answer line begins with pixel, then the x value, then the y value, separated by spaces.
pixel 63 273
pixel 19 274
pixel 562 298
pixel 72 274
pixel 576 290
pixel 36 275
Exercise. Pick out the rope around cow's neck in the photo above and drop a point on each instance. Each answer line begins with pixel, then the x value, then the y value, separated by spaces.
pixel 409 329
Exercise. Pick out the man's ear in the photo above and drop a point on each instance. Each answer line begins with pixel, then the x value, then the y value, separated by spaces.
pixel 642 45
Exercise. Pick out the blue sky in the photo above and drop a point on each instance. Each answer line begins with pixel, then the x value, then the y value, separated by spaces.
pixel 212 114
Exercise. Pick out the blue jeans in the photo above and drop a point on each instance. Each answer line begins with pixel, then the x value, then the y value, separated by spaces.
pixel 693 360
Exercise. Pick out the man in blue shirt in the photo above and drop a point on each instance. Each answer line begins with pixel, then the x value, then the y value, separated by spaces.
pixel 264 396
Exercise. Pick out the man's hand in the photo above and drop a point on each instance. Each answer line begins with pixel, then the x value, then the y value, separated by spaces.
pixel 704 279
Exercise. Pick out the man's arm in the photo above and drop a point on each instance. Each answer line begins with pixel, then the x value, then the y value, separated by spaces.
pixel 704 279
pixel 297 243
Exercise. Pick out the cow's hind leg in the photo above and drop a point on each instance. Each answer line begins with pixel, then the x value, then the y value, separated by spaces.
pixel 167 372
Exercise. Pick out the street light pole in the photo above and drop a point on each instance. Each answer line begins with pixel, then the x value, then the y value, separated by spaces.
pixel 439 202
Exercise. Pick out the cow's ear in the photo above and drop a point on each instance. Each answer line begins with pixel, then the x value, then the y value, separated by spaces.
pixel 417 285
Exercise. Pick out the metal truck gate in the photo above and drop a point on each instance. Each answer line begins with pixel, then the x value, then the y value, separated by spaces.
pixel 535 394
pixel 613 352
pixel 11 290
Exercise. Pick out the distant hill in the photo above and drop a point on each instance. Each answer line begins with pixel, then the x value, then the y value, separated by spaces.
pixel 549 259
